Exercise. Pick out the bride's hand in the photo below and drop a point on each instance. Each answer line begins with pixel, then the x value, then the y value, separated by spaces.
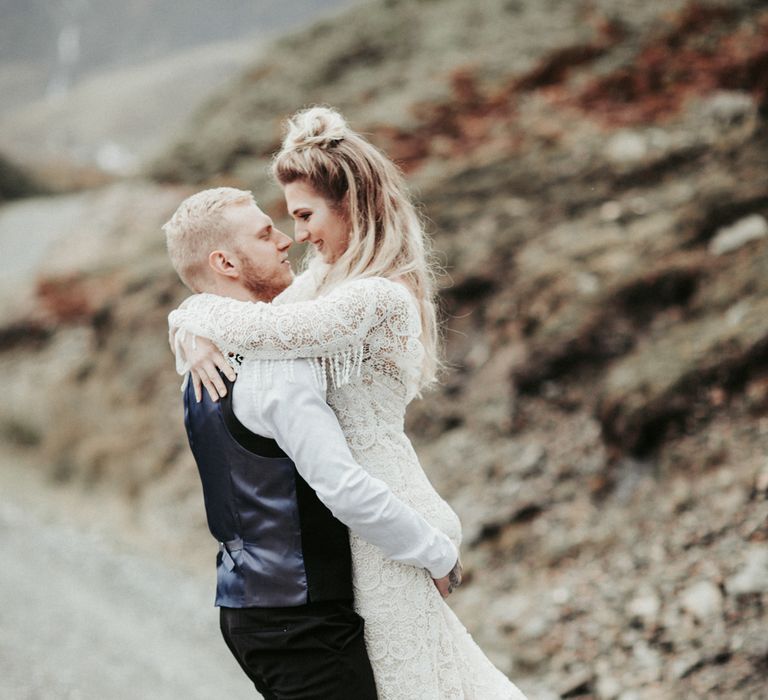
pixel 451 581
pixel 205 360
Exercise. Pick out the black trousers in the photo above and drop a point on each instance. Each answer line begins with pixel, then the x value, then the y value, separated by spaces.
pixel 311 652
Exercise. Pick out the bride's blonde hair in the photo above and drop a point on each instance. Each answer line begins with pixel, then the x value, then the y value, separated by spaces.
pixel 386 235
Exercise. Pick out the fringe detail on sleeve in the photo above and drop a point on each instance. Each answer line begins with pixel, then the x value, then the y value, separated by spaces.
pixel 339 369
pixel 335 371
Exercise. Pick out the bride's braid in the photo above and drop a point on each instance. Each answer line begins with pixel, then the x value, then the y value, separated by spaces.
pixel 386 237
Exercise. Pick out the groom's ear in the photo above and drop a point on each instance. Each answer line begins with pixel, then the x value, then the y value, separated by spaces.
pixel 222 262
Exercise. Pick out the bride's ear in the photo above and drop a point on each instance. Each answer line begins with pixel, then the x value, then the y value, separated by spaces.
pixel 223 263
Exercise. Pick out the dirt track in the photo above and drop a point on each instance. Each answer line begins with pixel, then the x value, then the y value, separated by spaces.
pixel 82 620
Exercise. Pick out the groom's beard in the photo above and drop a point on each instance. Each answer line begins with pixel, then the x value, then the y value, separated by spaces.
pixel 263 288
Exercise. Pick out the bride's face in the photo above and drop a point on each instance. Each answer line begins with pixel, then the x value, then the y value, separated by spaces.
pixel 317 221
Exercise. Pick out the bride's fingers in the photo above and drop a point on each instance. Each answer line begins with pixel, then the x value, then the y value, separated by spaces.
pixel 215 378
pixel 443 586
pixel 196 385
pixel 201 377
pixel 209 387
pixel 211 380
pixel 221 362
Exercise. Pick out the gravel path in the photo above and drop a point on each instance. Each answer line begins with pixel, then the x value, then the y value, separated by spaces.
pixel 80 619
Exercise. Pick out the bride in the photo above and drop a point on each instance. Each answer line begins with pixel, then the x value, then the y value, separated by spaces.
pixel 364 310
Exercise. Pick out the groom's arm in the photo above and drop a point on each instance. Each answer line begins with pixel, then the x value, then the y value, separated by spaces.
pixel 294 412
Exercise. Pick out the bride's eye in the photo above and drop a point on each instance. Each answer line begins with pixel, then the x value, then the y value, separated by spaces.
pixel 305 216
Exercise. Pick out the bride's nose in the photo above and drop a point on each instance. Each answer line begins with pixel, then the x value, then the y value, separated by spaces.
pixel 301 235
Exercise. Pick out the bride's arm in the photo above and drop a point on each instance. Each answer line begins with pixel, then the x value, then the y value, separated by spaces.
pixel 333 326
pixel 203 360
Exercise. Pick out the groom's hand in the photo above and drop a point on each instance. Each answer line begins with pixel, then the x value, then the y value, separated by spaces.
pixel 451 582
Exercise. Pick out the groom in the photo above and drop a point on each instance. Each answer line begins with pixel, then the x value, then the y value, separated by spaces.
pixel 279 482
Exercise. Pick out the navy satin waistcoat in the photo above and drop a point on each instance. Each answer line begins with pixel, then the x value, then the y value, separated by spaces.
pixel 279 545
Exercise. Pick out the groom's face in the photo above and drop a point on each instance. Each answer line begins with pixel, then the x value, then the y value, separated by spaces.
pixel 259 250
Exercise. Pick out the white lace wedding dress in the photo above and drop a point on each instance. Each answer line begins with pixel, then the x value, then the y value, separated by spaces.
pixel 365 334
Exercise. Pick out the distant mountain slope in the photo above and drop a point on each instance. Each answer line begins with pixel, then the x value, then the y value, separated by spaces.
pixel 102 85
pixel 114 119
pixel 70 40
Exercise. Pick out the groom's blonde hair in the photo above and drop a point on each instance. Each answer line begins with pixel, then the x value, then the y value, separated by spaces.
pixel 197 227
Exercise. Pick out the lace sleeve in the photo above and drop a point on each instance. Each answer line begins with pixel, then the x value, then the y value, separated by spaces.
pixel 334 326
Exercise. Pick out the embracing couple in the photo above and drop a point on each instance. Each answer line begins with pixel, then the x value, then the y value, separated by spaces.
pixel 335 551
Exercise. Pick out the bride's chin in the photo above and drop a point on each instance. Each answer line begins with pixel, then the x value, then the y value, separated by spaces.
pixel 330 257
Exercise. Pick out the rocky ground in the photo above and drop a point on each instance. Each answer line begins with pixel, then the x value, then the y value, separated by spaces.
pixel 595 178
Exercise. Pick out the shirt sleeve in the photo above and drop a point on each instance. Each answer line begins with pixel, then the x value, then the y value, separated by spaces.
pixel 296 415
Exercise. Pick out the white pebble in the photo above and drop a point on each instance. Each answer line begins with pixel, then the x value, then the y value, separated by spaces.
pixel 702 600
pixel 730 238
pixel 753 577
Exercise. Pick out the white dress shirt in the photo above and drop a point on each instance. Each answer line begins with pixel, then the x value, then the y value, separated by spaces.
pixel 291 408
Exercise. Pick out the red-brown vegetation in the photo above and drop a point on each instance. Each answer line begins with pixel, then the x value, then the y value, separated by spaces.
pixel 74 298
pixel 697 55
pixel 703 50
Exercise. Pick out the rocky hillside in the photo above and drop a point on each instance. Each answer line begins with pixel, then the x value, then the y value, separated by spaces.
pixel 595 176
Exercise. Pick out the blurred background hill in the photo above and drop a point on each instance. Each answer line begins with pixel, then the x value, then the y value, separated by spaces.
pixel 106 83
pixel 595 176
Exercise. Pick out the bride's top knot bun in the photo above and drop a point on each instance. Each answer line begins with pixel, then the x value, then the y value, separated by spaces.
pixel 316 126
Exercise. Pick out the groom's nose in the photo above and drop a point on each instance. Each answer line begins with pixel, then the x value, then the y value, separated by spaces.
pixel 283 241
